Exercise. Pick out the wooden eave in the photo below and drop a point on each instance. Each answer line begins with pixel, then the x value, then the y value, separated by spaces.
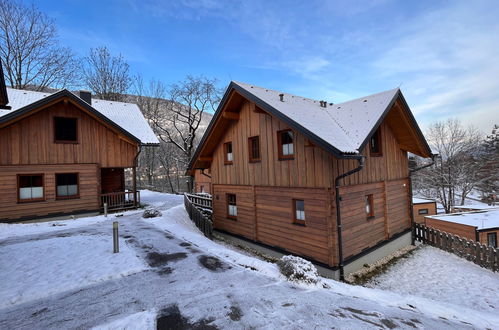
pixel 66 97
pixel 399 118
pixel 397 114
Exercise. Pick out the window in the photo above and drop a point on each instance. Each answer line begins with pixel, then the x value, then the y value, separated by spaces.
pixel 369 206
pixel 299 211
pixel 30 187
pixel 202 189
pixel 231 206
pixel 492 239
pixel 228 153
pixel 254 149
pixel 67 185
pixel 65 130
pixel 285 141
pixel 375 144
pixel 423 211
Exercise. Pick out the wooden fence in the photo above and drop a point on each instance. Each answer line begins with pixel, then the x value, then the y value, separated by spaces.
pixel 200 215
pixel 120 200
pixel 482 255
pixel 203 201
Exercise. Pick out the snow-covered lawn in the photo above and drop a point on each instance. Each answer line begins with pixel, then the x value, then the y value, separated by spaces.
pixel 168 270
pixel 441 276
pixel 40 268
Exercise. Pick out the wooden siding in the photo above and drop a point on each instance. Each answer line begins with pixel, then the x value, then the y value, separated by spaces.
pixel 312 167
pixel 31 141
pixel 88 199
pixel 391 214
pixel 201 181
pixel 419 218
pixel 483 236
pixel 458 229
pixel 265 214
pixel 265 189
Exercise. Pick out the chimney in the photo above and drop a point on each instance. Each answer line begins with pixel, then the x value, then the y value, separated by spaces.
pixel 86 96
pixel 281 97
pixel 4 97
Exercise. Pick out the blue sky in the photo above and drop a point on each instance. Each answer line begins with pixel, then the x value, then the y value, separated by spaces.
pixel 443 54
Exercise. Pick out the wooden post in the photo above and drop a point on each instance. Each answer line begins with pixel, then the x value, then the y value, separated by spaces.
pixel 134 185
pixel 116 246
pixel 105 209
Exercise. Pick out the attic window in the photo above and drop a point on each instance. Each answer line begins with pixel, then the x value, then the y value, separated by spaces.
pixel 65 130
pixel 254 149
pixel 286 146
pixel 229 156
pixel 375 144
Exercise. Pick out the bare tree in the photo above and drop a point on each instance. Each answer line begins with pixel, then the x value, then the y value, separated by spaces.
pixel 455 173
pixel 30 51
pixel 179 124
pixel 107 76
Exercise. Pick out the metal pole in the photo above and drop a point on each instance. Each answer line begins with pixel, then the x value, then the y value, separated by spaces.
pixel 116 245
pixel 105 209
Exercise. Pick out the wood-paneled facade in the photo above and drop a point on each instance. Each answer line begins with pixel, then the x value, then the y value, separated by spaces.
pixel 28 146
pixel 265 189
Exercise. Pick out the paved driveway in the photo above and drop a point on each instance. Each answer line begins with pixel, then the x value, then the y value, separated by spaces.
pixel 189 288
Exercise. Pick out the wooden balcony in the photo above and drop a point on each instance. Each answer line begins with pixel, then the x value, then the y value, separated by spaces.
pixel 122 200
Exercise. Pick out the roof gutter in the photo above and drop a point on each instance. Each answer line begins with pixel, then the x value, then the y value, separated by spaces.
pixel 411 204
pixel 361 160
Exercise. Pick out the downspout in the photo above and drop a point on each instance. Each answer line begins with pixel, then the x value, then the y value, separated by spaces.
pixel 411 207
pixel 134 173
pixel 202 172
pixel 361 160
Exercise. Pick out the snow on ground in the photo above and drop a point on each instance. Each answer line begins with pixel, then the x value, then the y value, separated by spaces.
pixel 438 275
pixel 142 320
pixel 40 268
pixel 190 280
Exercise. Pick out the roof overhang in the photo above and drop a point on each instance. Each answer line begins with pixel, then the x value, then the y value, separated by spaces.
pixel 234 96
pixel 65 96
pixel 404 126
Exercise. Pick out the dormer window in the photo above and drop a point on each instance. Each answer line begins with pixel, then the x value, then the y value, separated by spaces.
pixel 65 130
pixel 286 147
pixel 375 144
pixel 229 156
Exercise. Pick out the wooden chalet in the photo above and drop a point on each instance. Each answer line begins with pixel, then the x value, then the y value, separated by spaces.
pixel 66 154
pixel 329 182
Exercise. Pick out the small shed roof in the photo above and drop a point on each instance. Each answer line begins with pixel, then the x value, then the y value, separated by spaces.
pixel 416 200
pixel 483 220
pixel 125 115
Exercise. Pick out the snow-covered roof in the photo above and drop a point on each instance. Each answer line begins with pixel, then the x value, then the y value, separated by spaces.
pixel 416 200
pixel 126 115
pixel 475 207
pixel 344 125
pixel 481 219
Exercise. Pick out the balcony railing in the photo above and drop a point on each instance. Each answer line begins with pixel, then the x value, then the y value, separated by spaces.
pixel 120 200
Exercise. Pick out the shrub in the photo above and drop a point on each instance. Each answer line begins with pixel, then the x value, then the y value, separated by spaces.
pixel 151 213
pixel 297 269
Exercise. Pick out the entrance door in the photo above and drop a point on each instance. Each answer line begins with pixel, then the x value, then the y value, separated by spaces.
pixel 112 180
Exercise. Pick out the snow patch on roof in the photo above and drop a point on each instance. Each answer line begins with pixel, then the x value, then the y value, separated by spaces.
pixel 416 200
pixel 345 125
pixel 480 219
pixel 126 115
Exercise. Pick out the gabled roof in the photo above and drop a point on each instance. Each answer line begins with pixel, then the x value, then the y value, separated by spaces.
pixel 124 117
pixel 342 129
